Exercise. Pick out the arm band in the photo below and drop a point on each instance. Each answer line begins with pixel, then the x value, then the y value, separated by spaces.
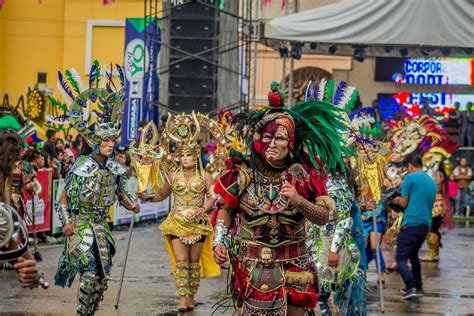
pixel 220 232
pixel 64 215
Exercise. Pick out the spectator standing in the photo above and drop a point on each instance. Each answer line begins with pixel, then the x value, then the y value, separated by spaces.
pixel 452 189
pixel 467 131
pixel 417 198
pixel 462 174
pixel 50 145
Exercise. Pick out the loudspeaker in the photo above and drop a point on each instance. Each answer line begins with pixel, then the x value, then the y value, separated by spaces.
pixel 192 84
pixel 41 77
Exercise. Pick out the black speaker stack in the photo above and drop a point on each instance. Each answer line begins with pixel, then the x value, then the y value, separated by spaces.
pixel 194 29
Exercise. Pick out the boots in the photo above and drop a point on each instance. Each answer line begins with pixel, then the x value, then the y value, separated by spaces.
pixel 433 248
pixel 90 293
pixel 194 278
pixel 182 282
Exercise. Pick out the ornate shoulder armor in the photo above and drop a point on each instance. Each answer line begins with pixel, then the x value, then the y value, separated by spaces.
pixel 115 167
pixel 85 166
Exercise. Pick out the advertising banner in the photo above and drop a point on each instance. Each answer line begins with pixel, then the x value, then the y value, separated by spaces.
pixel 148 211
pixel 42 204
pixel 425 71
pixel 136 64
pixel 58 187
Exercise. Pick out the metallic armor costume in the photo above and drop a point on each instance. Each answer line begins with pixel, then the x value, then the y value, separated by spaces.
pixel 91 189
pixel 335 236
pixel 12 228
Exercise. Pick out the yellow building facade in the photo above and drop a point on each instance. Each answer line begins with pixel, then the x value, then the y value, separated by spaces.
pixel 57 35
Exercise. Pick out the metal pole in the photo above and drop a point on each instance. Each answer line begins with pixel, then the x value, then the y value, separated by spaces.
pixel 290 83
pixel 255 55
pixel 377 262
pixel 119 289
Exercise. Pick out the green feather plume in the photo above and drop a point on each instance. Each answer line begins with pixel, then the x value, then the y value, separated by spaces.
pixel 72 81
pixel 318 126
pixel 329 93
pixel 350 104
pixel 97 73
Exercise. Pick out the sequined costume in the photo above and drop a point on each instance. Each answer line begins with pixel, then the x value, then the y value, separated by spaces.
pixel 91 188
pixel 357 304
pixel 188 196
pixel 436 163
pixel 369 169
pixel 271 265
pixel 406 136
pixel 335 236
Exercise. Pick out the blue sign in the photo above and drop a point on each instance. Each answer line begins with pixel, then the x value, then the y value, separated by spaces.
pixel 136 63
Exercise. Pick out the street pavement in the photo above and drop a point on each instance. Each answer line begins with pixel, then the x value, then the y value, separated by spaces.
pixel 148 287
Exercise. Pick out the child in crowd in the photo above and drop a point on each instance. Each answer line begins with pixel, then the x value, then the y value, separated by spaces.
pixel 452 189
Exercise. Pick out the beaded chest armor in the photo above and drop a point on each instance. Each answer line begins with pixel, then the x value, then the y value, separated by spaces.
pixel 271 264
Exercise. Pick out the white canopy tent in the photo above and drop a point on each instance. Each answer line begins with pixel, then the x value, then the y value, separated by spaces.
pixel 372 23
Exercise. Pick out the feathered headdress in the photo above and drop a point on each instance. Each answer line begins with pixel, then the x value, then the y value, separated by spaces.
pixel 438 156
pixel 317 124
pixel 109 97
pixel 409 134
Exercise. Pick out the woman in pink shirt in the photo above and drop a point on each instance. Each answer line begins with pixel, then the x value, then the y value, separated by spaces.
pixel 452 188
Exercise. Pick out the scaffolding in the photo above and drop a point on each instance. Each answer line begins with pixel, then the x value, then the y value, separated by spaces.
pixel 157 13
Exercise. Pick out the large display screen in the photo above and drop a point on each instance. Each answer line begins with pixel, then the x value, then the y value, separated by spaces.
pixel 442 103
pixel 433 71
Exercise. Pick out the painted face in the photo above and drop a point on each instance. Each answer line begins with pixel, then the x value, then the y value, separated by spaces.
pixel 188 161
pixel 276 144
pixel 106 147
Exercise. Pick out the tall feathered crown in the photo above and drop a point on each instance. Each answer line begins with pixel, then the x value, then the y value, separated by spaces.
pixel 108 96
pixel 409 134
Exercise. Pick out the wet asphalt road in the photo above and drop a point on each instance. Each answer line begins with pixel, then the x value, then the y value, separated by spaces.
pixel 149 287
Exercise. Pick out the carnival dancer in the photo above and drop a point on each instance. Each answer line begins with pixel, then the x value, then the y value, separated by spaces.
pixel 369 170
pixel 268 196
pixel 93 184
pixel 358 292
pixel 437 165
pixel 16 173
pixel 407 136
pixel 334 252
pixel 187 228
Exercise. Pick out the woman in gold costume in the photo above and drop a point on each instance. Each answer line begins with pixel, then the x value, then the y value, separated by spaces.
pixel 187 228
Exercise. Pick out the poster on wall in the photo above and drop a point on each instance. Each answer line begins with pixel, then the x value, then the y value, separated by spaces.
pixel 41 204
pixel 136 63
